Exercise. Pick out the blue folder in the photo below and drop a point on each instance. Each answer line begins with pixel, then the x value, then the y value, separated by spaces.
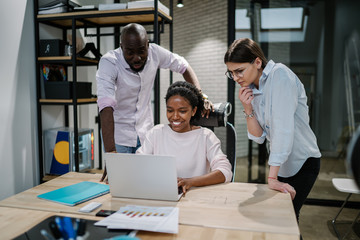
pixel 76 193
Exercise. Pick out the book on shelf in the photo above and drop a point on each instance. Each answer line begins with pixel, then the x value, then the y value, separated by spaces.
pixel 57 6
pixel 54 10
pixel 112 6
pixel 85 8
pixel 148 3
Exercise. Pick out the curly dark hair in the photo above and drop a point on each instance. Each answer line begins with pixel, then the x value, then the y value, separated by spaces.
pixel 190 93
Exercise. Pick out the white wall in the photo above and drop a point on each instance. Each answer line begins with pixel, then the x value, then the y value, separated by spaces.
pixel 18 138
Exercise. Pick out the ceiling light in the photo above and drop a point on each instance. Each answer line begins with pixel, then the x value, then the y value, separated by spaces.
pixel 180 4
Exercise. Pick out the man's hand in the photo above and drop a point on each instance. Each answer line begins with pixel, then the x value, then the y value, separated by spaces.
pixel 104 176
pixel 208 107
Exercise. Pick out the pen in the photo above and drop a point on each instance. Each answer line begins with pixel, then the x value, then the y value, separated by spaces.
pixel 69 228
pixel 46 235
pixel 59 226
pixel 81 227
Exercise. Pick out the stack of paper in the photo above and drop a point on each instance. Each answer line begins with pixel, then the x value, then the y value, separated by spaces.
pixel 148 3
pixel 112 6
pixel 155 219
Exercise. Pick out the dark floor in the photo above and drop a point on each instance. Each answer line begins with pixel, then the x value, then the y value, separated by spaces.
pixel 315 220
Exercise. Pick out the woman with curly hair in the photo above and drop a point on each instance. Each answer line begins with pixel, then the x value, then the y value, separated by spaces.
pixel 200 160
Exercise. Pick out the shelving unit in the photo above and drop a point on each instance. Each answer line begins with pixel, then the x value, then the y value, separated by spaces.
pixel 84 20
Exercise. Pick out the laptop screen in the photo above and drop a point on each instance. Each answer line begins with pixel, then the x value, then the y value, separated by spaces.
pixel 142 176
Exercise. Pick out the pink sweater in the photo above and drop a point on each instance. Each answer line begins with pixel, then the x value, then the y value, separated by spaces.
pixel 197 152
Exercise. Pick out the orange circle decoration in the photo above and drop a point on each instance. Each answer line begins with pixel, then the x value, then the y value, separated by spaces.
pixel 61 152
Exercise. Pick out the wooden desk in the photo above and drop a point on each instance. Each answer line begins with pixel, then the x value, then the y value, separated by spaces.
pixel 15 221
pixel 234 206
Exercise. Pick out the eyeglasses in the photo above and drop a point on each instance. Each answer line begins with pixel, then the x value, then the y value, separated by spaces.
pixel 237 72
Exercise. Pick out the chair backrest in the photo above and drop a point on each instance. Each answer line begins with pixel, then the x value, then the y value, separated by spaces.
pixel 218 118
pixel 231 154
pixel 353 156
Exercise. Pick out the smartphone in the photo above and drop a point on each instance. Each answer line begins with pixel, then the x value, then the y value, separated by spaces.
pixel 104 213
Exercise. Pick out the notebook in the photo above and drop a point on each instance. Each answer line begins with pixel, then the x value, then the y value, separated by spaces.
pixel 142 176
pixel 76 193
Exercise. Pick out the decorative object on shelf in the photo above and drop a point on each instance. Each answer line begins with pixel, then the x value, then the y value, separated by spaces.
pixel 59 150
pixel 68 50
pixel 52 47
pixel 90 47
pixel 53 73
pixel 60 158
pixel 79 42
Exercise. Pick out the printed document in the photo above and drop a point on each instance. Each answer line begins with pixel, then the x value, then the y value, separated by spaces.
pixel 155 219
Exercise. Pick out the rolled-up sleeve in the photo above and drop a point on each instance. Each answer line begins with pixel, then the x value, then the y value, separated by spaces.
pixel 258 140
pixel 106 77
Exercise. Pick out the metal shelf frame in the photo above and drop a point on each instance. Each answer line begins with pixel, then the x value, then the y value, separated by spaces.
pixel 92 19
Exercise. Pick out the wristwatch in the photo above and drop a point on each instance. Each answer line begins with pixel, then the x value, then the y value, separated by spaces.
pixel 205 97
pixel 251 115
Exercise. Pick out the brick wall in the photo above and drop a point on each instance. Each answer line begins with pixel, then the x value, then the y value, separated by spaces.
pixel 200 35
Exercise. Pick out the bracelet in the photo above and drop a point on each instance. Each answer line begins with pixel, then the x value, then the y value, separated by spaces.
pixel 272 178
pixel 251 115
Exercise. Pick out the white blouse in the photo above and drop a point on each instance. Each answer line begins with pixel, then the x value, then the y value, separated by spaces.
pixel 197 152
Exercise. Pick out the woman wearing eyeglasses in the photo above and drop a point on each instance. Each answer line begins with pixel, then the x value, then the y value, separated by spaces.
pixel 275 108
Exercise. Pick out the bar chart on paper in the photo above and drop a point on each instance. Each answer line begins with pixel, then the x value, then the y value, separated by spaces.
pixel 156 219
pixel 140 211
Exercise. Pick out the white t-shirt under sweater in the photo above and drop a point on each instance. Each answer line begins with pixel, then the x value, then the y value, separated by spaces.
pixel 197 152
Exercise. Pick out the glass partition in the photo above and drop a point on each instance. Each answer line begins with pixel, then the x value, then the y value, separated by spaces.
pixel 310 37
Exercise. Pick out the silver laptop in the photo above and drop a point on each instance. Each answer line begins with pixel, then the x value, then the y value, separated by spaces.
pixel 142 176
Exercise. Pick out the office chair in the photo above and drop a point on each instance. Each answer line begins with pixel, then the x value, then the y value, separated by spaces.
pixel 349 185
pixel 218 118
pixel 353 157
pixel 346 185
